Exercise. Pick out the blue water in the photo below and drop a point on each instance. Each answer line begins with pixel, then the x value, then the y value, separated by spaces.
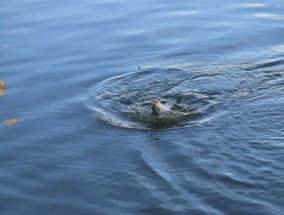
pixel 62 61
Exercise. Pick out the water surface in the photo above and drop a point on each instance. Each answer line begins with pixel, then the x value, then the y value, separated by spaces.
pixel 61 62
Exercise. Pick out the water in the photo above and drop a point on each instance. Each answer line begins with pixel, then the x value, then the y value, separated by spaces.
pixel 77 134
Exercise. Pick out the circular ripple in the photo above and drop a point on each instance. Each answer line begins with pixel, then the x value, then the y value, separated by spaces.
pixel 126 101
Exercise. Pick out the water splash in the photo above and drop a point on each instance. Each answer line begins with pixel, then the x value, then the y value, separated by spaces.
pixel 126 101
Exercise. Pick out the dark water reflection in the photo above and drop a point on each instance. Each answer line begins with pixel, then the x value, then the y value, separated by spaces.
pixel 61 158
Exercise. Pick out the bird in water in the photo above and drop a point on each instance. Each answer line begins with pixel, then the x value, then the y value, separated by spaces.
pixel 159 108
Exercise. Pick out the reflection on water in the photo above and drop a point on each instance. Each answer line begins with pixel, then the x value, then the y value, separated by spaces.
pixel 11 121
pixel 183 13
pixel 268 15
pixel 254 5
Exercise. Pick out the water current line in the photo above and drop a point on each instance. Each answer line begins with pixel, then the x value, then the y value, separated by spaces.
pixel 155 163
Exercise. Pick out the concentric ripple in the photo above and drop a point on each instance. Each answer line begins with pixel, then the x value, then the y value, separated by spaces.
pixel 126 101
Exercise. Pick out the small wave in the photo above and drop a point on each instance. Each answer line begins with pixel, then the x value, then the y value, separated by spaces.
pixel 126 101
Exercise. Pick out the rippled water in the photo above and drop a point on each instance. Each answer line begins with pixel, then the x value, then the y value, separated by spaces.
pixel 76 129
